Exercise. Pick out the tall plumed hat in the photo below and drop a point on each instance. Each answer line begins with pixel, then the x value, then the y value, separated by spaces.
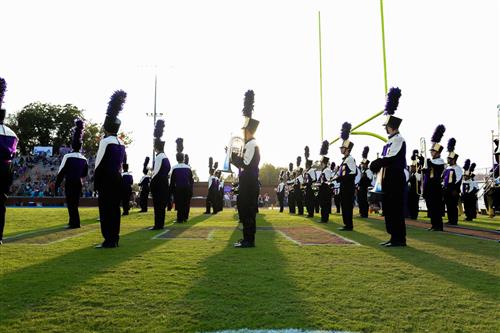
pixel 186 159
pixel 451 149
pixel 290 167
pixel 250 123
pixel 299 161
pixel 115 105
pixel 211 164
pixel 216 166
pixel 77 135
pixel 364 155
pixel 471 169
pixel 333 165
pixel 3 88
pixel 391 106
pixel 179 142
pixel 145 165
pixel 467 167
pixel 282 175
pixel 414 157
pixel 324 151
pixel 436 138
pixel 344 135
pixel 158 133
pixel 497 147
pixel 306 155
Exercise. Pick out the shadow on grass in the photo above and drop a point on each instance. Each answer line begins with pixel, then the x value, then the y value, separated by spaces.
pixel 243 288
pixel 51 230
pixel 38 284
pixel 469 278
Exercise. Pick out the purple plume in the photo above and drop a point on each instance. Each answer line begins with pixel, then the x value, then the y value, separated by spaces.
pixel 392 101
pixel 306 152
pixel 299 160
pixel 159 126
pixel 180 144
pixel 324 148
pixel 451 144
pixel 364 154
pixel 467 164
pixel 3 88
pixel 116 102
pixel 248 103
pixel 346 129
pixel 472 167
pixel 290 167
pixel 438 133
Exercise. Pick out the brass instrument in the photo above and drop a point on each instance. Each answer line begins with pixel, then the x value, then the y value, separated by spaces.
pixel 236 145
pixel 423 152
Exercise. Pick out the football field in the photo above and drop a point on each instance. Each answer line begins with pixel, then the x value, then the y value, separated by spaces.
pixel 188 278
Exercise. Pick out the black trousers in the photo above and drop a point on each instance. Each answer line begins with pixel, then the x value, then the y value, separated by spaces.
pixel 363 201
pixel 337 202
pixel 182 196
pixel 434 202
pixel 469 201
pixel 143 200
pixel 451 202
pixel 310 202
pixel 325 202
pixel 126 193
pixel 161 198
pixel 5 182
pixel 281 200
pixel 317 204
pixel 413 199
pixel 346 201
pixel 393 203
pixel 73 191
pixel 248 196
pixel 109 213
pixel 299 201
pixel 291 202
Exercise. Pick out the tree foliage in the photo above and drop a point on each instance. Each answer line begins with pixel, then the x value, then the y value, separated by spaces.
pixel 45 124
pixel 269 174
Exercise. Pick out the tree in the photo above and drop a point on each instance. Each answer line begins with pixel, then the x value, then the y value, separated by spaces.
pixel 269 174
pixel 44 124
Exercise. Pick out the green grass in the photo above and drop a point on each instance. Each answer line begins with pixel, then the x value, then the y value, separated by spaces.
pixel 439 283
pixel 481 222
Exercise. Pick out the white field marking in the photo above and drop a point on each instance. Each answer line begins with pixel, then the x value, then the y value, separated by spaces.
pixel 32 232
pixel 178 238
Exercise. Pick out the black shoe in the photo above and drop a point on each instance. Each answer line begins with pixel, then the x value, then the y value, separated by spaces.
pixel 155 228
pixel 395 244
pixel 72 227
pixel 345 229
pixel 244 244
pixel 385 243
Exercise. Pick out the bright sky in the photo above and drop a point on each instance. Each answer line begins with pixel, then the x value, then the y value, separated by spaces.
pixel 444 55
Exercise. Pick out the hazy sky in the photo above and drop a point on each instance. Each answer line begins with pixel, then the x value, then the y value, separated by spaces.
pixel 443 54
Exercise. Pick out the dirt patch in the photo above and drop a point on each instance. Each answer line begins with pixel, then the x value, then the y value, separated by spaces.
pixel 313 236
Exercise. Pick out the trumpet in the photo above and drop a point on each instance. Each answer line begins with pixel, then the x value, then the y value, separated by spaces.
pixel 236 145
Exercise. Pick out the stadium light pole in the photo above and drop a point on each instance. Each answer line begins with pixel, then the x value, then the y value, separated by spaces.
pixel 154 114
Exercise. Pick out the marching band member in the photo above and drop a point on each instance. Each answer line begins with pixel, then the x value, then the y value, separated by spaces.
pixel 335 185
pixel 211 179
pixel 186 162
pixel 73 168
pixel 8 146
pixel 394 181
pixel 469 191
pixel 249 175
pixel 181 184
pixel 433 191
pixel 492 190
pixel 280 191
pixel 346 176
pixel 452 180
pixel 220 191
pixel 127 181
pixel 414 186
pixel 107 176
pixel 297 187
pixel 291 194
pixel 144 184
pixel 324 192
pixel 159 180
pixel 364 183
pixel 309 180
